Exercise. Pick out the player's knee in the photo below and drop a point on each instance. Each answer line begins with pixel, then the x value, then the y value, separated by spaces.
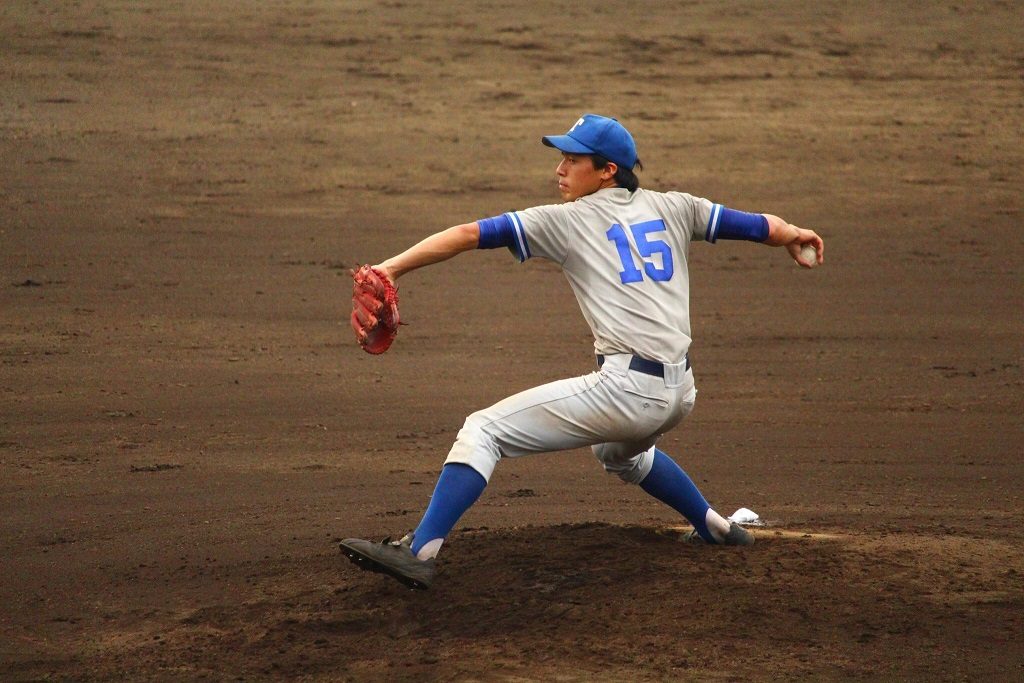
pixel 631 473
pixel 474 429
pixel 627 464
pixel 475 446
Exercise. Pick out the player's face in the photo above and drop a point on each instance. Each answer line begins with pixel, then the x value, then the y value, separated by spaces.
pixel 577 176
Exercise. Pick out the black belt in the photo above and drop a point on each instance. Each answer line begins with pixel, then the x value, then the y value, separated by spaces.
pixel 648 367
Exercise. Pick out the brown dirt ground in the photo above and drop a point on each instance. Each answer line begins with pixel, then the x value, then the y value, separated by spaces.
pixel 187 427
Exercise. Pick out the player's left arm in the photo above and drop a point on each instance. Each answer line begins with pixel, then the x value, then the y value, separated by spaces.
pixel 783 234
pixel 440 246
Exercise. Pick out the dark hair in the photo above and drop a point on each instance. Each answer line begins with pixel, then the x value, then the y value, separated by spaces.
pixel 624 177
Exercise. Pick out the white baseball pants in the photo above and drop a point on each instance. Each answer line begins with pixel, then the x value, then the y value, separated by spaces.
pixel 619 412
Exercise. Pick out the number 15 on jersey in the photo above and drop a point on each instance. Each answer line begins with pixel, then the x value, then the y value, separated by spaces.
pixel 651 251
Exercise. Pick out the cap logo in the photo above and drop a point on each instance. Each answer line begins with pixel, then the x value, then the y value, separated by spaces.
pixel 579 122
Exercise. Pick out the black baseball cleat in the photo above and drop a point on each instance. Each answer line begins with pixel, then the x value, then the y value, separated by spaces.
pixel 393 558
pixel 737 536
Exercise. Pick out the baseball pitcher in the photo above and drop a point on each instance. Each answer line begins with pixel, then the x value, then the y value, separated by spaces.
pixel 624 251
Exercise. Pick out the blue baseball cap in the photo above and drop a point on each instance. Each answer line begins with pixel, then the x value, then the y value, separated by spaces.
pixel 593 134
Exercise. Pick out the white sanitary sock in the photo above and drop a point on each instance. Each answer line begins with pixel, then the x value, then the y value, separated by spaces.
pixel 717 525
pixel 430 549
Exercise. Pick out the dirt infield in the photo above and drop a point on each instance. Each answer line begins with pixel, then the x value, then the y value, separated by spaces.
pixel 187 427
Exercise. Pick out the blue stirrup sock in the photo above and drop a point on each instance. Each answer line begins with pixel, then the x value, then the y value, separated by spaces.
pixel 457 489
pixel 670 484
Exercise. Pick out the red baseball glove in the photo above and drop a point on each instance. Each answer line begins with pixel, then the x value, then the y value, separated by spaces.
pixel 374 309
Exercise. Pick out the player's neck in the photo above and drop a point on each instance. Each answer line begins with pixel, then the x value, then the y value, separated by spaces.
pixel 606 184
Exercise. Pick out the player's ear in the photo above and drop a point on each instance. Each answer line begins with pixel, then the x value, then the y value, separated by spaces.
pixel 609 171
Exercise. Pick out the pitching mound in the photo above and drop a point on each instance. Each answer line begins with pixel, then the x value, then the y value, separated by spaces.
pixel 639 603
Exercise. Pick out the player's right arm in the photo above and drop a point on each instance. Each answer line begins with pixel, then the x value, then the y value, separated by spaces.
pixel 440 246
pixel 783 234
pixel 729 224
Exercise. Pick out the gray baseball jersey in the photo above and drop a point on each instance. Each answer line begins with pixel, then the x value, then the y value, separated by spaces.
pixel 625 256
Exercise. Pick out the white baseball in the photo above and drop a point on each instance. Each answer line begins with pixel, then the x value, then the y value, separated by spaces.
pixel 810 254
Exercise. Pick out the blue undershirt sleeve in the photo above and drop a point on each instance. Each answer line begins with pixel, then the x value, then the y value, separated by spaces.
pixel 496 232
pixel 500 231
pixel 729 224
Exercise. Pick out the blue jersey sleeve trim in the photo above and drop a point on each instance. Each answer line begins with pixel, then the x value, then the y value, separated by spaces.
pixel 729 224
pixel 505 230
pixel 711 234
pixel 522 247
